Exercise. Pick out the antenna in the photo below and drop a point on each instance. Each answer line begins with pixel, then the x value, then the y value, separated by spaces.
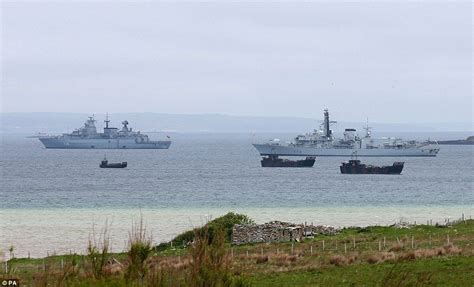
pixel 354 154
pixel 367 129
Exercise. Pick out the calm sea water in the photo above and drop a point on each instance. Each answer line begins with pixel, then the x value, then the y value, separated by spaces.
pixel 52 193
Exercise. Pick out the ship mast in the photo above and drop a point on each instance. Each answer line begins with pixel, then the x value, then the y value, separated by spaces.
pixel 327 123
pixel 367 129
pixel 107 121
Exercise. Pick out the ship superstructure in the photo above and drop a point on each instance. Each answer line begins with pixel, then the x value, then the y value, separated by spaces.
pixel 87 137
pixel 321 142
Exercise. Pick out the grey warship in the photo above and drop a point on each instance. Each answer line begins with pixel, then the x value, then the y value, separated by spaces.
pixel 322 143
pixel 87 137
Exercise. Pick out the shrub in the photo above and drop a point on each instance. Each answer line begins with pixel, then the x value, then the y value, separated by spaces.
pixel 98 252
pixel 225 223
pixel 262 259
pixel 451 249
pixel 381 257
pixel 139 249
pixel 372 259
pixel 396 248
pixel 281 259
pixel 338 260
pixel 210 263
pixel 411 255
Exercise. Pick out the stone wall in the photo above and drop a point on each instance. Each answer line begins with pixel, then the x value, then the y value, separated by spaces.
pixel 276 231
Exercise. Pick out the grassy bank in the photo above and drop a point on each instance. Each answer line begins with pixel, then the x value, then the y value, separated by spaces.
pixel 372 256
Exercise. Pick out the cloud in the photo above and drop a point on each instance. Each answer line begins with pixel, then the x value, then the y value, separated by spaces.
pixel 382 60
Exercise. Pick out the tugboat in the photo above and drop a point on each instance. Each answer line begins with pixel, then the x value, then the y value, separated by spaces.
pixel 105 164
pixel 354 166
pixel 274 161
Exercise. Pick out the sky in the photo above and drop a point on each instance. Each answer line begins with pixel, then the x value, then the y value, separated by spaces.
pixel 390 62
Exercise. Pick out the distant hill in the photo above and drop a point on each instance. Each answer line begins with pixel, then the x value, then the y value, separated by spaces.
pixel 468 141
pixel 149 122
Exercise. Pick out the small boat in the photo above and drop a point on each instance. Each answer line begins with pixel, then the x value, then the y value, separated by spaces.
pixel 354 166
pixel 105 164
pixel 274 161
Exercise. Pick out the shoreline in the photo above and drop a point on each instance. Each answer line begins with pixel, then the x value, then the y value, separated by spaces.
pixel 45 231
pixel 375 255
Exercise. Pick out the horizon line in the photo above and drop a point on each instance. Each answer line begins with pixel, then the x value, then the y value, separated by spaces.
pixel 238 116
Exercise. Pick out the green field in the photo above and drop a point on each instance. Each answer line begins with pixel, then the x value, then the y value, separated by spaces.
pixel 374 256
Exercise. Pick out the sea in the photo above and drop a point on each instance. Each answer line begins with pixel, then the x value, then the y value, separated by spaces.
pixel 54 201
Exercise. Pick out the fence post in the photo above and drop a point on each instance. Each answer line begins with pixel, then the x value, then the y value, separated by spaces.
pixel 380 246
pixel 412 242
pixel 62 264
pixel 354 241
pixel 447 238
pixel 311 249
pixel 345 247
pixel 323 245
pixel 247 253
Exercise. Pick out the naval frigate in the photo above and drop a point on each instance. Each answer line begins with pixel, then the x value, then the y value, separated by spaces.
pixel 322 143
pixel 87 137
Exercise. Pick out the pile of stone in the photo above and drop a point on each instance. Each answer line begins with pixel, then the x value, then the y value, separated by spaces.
pixel 277 231
pixel 402 225
pixel 323 229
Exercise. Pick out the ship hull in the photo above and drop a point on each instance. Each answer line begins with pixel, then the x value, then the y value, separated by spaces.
pixel 393 169
pixel 280 150
pixel 113 165
pixel 59 143
pixel 269 162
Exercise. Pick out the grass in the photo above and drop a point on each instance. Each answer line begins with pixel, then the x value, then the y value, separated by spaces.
pixel 372 256
pixel 447 271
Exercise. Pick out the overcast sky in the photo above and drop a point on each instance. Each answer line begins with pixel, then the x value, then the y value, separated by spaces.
pixel 391 62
